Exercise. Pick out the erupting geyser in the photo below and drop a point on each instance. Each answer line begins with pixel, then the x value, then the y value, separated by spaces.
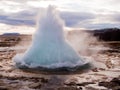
pixel 49 49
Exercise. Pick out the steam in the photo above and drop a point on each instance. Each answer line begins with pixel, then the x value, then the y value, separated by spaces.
pixel 88 46
pixel 49 47
pixel 82 41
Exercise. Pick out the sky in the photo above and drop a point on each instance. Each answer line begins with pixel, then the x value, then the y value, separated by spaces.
pixel 19 15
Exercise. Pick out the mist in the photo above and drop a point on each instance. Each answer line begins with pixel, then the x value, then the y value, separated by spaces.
pixel 49 47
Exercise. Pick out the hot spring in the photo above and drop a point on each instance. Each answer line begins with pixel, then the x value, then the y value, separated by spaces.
pixel 49 49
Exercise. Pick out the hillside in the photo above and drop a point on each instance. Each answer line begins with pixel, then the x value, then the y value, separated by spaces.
pixel 108 34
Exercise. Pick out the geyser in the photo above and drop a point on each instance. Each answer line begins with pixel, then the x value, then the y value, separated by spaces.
pixel 49 49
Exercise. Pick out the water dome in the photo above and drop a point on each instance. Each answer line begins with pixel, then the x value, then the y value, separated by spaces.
pixel 49 50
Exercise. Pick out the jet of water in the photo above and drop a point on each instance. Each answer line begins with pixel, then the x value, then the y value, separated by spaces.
pixel 49 47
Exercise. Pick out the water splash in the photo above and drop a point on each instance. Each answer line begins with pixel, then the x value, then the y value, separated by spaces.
pixel 49 48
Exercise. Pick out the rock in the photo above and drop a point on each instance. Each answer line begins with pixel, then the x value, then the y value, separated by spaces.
pixel 105 77
pixel 78 84
pixel 115 82
pixel 10 70
pixel 85 83
pixel 70 84
pixel 95 87
pixel 69 88
pixel 34 79
pixel 102 69
pixel 43 80
pixel 116 88
pixel 35 85
pixel 48 88
pixel 13 82
pixel 1 76
pixel 109 64
pixel 54 80
pixel 72 81
pixel 95 70
pixel 11 78
pixel 3 88
pixel 107 84
pixel 1 83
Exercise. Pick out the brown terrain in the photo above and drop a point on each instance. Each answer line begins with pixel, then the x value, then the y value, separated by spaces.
pixel 105 75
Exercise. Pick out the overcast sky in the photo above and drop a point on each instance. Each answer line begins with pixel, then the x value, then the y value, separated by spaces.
pixel 85 14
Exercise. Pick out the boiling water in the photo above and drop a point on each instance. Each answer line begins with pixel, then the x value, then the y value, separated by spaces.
pixel 49 48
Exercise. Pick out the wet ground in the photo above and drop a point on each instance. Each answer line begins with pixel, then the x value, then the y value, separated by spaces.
pixel 104 76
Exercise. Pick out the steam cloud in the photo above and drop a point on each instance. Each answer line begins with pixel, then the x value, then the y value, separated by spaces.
pixel 49 47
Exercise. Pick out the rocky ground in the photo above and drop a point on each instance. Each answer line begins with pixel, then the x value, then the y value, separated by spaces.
pixel 104 76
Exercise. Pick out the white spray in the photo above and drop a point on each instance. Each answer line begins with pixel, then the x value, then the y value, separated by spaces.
pixel 49 47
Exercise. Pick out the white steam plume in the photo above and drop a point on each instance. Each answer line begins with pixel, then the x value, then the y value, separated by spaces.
pixel 49 47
